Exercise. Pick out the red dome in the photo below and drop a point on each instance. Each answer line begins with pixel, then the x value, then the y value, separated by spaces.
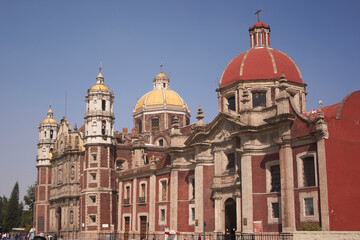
pixel 260 63
pixel 259 24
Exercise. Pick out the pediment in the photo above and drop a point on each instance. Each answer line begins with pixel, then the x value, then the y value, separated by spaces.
pixel 219 130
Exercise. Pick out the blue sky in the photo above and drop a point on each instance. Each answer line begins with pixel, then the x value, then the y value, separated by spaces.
pixel 52 49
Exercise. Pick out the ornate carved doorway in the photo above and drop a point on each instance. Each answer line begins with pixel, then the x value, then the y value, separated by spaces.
pixel 230 219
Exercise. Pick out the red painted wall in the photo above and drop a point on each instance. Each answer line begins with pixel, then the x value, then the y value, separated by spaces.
pixel 343 164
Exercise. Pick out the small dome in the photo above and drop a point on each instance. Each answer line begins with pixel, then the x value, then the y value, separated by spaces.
pixel 100 75
pixel 99 87
pixel 259 25
pixel 260 64
pixel 161 99
pixel 161 75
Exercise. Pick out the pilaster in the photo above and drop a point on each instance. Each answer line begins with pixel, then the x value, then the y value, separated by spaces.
pixel 287 186
pixel 324 204
pixel 152 199
pixel 199 198
pixel 173 199
pixel 247 194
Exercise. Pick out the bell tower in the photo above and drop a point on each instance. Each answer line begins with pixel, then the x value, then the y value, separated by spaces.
pixel 47 137
pixel 98 193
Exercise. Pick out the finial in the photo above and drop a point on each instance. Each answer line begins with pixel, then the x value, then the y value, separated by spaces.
pixel 161 68
pixel 100 67
pixel 258 13
pixel 200 116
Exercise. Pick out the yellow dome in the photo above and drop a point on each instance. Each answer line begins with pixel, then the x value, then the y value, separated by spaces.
pixel 100 87
pixel 100 75
pixel 50 120
pixel 163 98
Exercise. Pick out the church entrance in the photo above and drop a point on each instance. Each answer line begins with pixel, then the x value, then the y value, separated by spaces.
pixel 58 219
pixel 142 227
pixel 230 219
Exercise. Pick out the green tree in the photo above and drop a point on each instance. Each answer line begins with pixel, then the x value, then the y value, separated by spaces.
pixel 11 216
pixel 27 215
pixel 29 198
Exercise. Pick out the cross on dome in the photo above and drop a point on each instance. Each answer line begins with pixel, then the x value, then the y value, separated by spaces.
pixel 258 13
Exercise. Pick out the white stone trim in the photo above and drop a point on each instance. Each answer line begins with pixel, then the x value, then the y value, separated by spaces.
pixel 314 196
pixel 300 167
pixel 160 222
pixel 268 165
pixel 270 201
pixel 190 220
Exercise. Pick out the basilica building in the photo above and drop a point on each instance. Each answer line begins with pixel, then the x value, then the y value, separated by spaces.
pixel 264 164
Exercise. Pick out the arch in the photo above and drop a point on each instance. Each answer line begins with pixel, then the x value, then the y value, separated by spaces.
pixel 230 219
pixel 58 220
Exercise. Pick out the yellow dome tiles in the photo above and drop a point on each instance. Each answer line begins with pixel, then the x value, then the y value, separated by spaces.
pixel 172 98
pixel 155 98
pixel 100 87
pixel 50 120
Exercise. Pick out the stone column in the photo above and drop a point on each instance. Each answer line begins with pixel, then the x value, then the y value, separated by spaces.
pixel 238 212
pixel 324 204
pixel 218 214
pixel 247 194
pixel 152 199
pixel 173 199
pixel 199 198
pixel 287 185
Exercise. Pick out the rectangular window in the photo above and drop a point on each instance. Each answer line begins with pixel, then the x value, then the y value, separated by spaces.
pixel 127 195
pixel 231 161
pixel 163 191
pixel 162 217
pixel 94 157
pixel 231 103
pixel 259 99
pixel 309 206
pixel 92 219
pixel 309 172
pixel 193 214
pixel 103 105
pixel 142 193
pixel 155 124
pixel 275 210
pixel 275 178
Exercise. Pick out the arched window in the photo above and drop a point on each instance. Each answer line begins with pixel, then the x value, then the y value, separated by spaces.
pixel 155 124
pixel 103 127
pixel 161 142
pixel 51 134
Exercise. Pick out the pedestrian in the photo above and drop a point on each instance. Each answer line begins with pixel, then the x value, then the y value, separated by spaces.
pixel 199 238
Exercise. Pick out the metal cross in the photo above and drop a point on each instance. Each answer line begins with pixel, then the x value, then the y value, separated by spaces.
pixel 258 12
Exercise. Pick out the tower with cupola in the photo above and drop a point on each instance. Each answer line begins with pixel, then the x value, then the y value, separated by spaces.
pixel 98 194
pixel 47 137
